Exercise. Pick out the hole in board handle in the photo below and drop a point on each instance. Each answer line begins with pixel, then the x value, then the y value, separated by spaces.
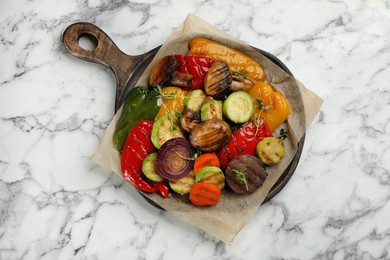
pixel 88 42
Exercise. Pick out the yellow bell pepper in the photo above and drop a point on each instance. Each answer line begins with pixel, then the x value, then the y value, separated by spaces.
pixel 172 101
pixel 271 105
pixel 238 62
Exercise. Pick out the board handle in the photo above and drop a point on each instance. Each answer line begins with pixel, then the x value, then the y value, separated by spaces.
pixel 105 52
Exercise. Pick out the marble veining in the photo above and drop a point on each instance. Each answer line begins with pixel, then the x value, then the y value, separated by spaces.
pixel 56 204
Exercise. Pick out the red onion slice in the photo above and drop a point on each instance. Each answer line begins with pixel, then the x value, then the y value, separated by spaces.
pixel 174 159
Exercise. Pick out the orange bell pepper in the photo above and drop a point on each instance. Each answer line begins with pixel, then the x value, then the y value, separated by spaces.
pixel 238 62
pixel 271 105
pixel 172 101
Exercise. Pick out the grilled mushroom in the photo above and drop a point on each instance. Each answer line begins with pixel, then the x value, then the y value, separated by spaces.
pixel 217 80
pixel 240 83
pixel 189 119
pixel 165 73
pixel 245 173
pixel 211 135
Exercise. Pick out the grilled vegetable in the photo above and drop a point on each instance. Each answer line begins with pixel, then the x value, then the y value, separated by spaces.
pixel 189 119
pixel 149 168
pixel 196 66
pixel 165 73
pixel 183 185
pixel 217 80
pixel 237 61
pixel 165 128
pixel 172 100
pixel 140 104
pixel 211 174
pixel 239 107
pixel 210 110
pixel 137 147
pixel 205 159
pixel 271 105
pixel 133 154
pixel 244 141
pixel 245 174
pixel 210 135
pixel 204 194
pixel 270 150
pixel 241 83
pixel 194 100
pixel 174 159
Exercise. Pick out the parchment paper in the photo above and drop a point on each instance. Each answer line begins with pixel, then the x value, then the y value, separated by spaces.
pixel 233 211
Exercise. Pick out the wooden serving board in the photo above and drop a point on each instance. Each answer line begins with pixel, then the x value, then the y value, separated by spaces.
pixel 128 69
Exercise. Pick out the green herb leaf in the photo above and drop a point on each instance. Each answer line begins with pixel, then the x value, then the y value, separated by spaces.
pixel 158 89
pixel 283 134
pixel 177 115
pixel 257 121
pixel 173 127
pixel 240 74
pixel 260 103
pixel 174 117
pixel 171 96
pixel 241 176
pixel 243 75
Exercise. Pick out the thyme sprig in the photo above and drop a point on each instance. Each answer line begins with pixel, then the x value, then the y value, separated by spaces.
pixel 243 75
pixel 169 96
pixel 188 158
pixel 283 134
pixel 258 120
pixel 174 118
pixel 242 177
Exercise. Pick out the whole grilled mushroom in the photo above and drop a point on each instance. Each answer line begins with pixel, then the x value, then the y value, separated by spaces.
pixel 217 80
pixel 189 119
pixel 245 173
pixel 165 73
pixel 211 135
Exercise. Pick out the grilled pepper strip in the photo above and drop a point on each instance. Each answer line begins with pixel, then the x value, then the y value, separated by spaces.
pixel 271 105
pixel 244 141
pixel 163 188
pixel 197 66
pixel 172 101
pixel 138 146
pixel 238 62
pixel 139 104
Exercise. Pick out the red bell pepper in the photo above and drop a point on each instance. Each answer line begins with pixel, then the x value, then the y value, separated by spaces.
pixel 163 188
pixel 138 145
pixel 197 66
pixel 244 141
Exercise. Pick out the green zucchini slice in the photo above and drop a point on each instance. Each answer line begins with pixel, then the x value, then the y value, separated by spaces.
pixel 183 185
pixel 194 100
pixel 211 109
pixel 165 128
pixel 149 168
pixel 211 174
pixel 239 107
pixel 270 150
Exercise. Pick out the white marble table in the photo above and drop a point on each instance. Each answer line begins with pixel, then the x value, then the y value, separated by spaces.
pixel 56 204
